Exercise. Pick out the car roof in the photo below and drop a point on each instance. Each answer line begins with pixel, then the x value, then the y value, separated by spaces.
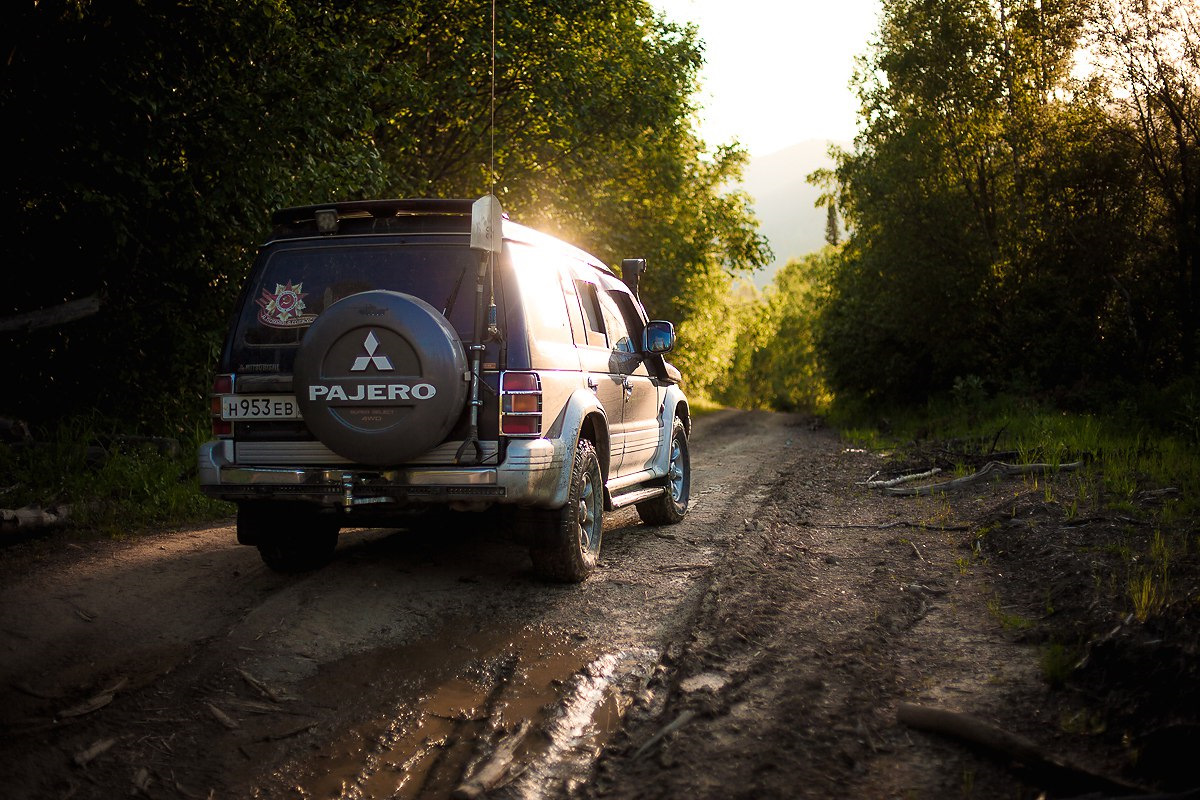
pixel 410 215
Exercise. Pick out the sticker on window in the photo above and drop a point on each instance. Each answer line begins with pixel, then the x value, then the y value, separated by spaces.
pixel 285 308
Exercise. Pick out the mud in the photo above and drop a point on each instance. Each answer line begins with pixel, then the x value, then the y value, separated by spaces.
pixel 760 648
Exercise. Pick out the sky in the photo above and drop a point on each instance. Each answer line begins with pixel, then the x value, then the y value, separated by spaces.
pixel 777 72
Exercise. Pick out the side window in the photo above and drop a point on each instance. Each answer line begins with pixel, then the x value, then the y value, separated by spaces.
pixel 629 313
pixel 541 288
pixel 618 332
pixel 593 317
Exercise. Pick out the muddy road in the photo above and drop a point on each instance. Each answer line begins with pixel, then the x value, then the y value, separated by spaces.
pixel 761 648
pixel 177 664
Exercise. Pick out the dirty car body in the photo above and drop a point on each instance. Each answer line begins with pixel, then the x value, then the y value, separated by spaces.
pixel 386 357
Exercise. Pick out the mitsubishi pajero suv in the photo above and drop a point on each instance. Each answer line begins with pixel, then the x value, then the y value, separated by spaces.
pixel 388 356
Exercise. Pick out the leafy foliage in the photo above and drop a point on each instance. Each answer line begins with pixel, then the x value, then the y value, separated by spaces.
pixel 1008 218
pixel 775 363
pixel 155 136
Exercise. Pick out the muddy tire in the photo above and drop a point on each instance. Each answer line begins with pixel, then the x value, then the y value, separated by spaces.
pixel 288 539
pixel 672 507
pixel 565 542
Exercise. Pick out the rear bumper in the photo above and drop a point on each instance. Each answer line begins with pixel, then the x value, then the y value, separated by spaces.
pixel 533 473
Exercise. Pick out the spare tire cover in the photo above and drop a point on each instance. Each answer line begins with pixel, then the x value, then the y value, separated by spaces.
pixel 379 377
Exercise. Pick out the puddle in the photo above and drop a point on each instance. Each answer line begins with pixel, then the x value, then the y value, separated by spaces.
pixel 457 696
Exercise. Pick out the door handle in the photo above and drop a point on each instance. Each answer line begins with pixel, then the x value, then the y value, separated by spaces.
pixel 628 384
pixel 591 382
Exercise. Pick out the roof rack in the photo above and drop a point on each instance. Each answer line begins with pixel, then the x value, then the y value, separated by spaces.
pixel 378 209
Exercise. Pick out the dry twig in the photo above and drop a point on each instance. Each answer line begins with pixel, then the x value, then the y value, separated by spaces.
pixel 992 467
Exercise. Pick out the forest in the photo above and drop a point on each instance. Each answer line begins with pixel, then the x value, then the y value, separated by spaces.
pixel 1018 213
pixel 152 140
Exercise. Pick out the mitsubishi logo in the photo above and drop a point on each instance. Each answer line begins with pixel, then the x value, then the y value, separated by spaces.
pixel 371 344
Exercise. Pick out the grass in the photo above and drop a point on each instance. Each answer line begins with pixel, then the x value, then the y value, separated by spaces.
pixel 1007 620
pixel 1139 469
pixel 1057 662
pixel 112 485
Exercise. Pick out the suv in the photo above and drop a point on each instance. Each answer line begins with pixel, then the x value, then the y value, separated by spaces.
pixel 389 356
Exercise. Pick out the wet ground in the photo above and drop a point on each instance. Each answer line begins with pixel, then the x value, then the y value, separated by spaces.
pixel 761 648
pixel 178 664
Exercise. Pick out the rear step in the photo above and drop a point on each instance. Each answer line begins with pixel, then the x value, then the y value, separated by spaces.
pixel 636 495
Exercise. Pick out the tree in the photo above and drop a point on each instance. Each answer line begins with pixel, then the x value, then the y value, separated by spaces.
pixel 156 136
pixel 992 211
pixel 832 234
pixel 1150 51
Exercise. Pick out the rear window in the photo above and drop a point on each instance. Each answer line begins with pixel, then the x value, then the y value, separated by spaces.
pixel 296 284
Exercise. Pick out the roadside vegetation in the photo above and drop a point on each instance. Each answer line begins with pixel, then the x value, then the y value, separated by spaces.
pixel 87 474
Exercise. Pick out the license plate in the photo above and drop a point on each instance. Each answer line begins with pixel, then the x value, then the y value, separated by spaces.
pixel 259 407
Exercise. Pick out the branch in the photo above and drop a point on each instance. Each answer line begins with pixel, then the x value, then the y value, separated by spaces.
pixel 902 479
pixel 52 317
pixel 1065 775
pixel 988 469
pixel 493 772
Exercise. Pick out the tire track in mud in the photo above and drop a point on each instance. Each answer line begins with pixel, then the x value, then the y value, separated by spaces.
pixel 390 673
pixel 576 667
pixel 817 623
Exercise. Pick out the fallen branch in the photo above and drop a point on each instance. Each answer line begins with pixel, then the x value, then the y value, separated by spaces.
pixel 52 317
pixel 1050 769
pixel 883 526
pixel 288 732
pixel 495 768
pixel 916 476
pixel 94 703
pixel 32 518
pixel 683 719
pixel 98 748
pixel 992 467
pixel 223 718
pixel 260 687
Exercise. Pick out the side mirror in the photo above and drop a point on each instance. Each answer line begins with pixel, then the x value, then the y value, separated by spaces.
pixel 658 337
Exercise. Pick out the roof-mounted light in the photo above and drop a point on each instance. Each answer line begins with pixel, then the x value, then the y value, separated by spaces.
pixel 327 220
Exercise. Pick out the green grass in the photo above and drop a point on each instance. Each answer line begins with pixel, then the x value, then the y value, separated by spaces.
pixel 1057 662
pixel 111 487
pixel 1007 620
pixel 1143 469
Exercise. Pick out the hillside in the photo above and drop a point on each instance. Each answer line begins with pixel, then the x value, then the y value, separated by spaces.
pixel 783 201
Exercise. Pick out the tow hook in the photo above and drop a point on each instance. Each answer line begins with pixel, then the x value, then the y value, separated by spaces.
pixel 349 501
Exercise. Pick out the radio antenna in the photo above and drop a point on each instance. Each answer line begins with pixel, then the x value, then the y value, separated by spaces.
pixel 492 112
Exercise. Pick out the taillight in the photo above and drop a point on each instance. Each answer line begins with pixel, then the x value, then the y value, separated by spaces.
pixel 222 385
pixel 520 404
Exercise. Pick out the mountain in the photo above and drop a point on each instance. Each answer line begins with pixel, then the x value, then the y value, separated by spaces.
pixel 783 201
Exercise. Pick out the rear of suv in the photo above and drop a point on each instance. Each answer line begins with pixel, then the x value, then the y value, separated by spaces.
pixel 393 356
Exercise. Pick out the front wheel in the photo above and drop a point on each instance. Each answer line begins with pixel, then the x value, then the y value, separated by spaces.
pixel 671 507
pixel 565 542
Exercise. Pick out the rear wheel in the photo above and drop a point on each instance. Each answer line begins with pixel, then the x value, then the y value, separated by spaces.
pixel 669 508
pixel 289 539
pixel 565 542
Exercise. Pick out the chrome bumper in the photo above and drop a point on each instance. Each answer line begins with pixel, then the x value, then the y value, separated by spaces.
pixel 532 474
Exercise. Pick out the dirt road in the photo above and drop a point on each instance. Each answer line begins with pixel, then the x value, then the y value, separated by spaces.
pixel 760 648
